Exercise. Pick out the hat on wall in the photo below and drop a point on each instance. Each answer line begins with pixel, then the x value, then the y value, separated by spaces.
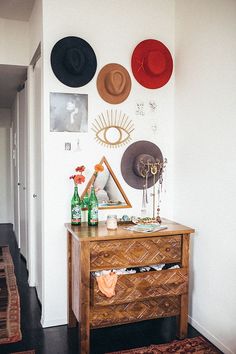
pixel 133 160
pixel 113 83
pixel 152 63
pixel 73 61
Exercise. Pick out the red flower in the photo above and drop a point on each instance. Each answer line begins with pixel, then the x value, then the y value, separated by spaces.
pixel 78 179
pixel 80 169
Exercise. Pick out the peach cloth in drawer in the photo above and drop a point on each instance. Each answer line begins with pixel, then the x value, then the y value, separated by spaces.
pixel 107 283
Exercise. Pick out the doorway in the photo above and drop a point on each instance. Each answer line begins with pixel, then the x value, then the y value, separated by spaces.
pixel 12 78
pixel 20 156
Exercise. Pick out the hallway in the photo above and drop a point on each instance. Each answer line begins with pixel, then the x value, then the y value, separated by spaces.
pixel 51 340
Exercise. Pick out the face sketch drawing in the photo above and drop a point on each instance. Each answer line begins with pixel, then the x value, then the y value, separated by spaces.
pixel 68 112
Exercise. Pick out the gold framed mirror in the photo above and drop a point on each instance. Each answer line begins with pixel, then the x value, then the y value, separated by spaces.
pixel 108 190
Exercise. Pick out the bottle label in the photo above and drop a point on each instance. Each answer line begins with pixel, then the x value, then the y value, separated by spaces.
pixel 76 214
pixel 94 215
pixel 84 216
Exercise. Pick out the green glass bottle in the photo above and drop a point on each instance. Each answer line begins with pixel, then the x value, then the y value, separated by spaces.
pixel 84 206
pixel 93 209
pixel 75 208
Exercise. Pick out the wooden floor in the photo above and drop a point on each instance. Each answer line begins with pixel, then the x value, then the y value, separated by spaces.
pixel 61 340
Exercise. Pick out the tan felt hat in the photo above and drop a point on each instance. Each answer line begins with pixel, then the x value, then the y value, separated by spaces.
pixel 113 83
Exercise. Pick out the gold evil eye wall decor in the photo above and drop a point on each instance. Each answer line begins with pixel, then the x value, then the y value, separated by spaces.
pixel 112 129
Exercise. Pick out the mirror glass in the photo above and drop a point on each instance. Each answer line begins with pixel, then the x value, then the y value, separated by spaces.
pixel 108 189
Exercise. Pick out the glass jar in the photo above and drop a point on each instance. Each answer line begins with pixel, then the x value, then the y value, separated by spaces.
pixel 112 222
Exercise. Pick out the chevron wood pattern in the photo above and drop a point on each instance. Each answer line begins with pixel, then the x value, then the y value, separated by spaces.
pixel 140 286
pixel 139 296
pixel 101 316
pixel 134 252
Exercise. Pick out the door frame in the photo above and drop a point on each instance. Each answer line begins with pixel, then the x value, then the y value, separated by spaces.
pixel 23 170
pixel 34 195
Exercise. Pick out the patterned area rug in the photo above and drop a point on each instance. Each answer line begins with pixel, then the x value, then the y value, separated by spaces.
pixel 197 345
pixel 9 300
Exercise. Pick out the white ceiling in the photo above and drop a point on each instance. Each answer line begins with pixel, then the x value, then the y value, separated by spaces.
pixel 12 76
pixel 16 9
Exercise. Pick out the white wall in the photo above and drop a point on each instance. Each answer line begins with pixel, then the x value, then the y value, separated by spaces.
pixel 5 117
pixel 14 42
pixel 6 211
pixel 113 29
pixel 205 150
pixel 35 28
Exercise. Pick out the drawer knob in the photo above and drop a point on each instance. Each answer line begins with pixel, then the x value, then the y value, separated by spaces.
pixel 167 249
pixel 167 304
pixel 106 254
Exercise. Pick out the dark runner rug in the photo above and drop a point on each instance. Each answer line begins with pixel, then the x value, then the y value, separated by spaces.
pixel 197 345
pixel 26 352
pixel 9 300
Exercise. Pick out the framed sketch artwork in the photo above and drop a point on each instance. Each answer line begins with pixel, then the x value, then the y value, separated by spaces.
pixel 68 112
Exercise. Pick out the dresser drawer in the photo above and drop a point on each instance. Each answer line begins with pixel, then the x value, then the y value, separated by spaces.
pixel 141 286
pixel 134 252
pixel 104 316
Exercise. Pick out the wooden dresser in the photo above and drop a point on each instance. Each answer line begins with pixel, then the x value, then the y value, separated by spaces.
pixel 139 296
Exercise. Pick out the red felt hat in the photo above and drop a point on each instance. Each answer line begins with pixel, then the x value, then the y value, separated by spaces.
pixel 152 63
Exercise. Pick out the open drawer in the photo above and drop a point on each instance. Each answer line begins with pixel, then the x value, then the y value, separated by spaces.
pixel 142 286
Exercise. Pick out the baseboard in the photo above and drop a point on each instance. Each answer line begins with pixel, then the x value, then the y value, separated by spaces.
pixel 52 323
pixel 209 336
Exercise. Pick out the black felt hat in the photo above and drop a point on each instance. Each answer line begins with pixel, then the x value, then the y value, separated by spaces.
pixel 73 61
pixel 132 163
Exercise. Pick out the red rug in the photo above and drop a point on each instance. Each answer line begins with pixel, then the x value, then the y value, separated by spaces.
pixel 9 300
pixel 197 345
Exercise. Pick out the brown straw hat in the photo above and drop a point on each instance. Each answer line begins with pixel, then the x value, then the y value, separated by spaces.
pixel 113 83
pixel 132 163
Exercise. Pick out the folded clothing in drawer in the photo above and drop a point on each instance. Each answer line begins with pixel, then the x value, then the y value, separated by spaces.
pixel 142 285
pixel 136 269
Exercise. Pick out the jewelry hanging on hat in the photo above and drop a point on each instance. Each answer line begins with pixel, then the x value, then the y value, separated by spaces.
pixel 146 185
pixel 144 173
pixel 154 168
pixel 158 203
pixel 154 171
pixel 159 192
pixel 143 210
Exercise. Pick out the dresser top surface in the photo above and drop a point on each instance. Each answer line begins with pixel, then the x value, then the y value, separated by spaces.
pixel 100 232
